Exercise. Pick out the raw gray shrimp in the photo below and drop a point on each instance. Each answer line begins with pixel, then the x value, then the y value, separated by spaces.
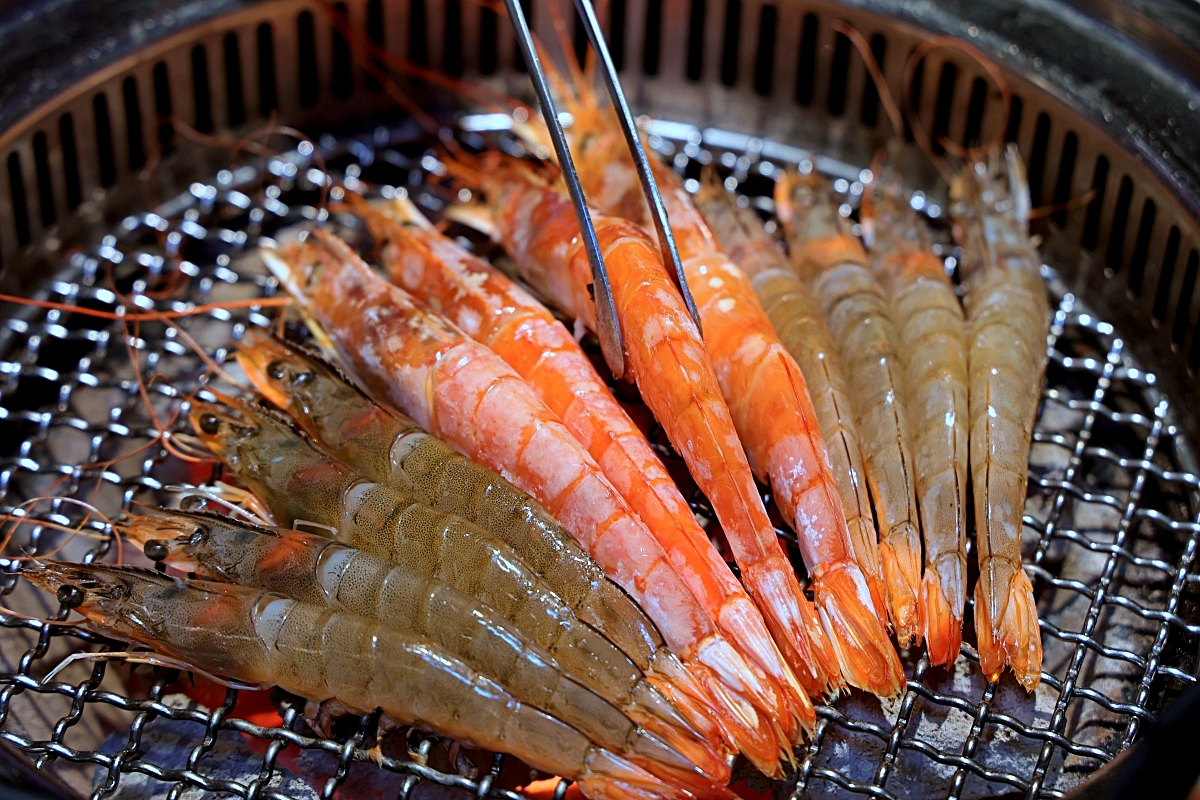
pixel 932 350
pixel 314 569
pixel 265 638
pixel 1008 317
pixel 305 487
pixel 858 313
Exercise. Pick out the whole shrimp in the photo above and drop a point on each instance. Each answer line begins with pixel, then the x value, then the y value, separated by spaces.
pixel 932 350
pixel 304 486
pixel 262 637
pixel 859 315
pixel 677 380
pixel 493 310
pixel 776 419
pixel 315 569
pixel 1008 317
pixel 796 316
pixel 463 393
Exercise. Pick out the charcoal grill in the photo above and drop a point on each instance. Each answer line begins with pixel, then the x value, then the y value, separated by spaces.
pixel 99 186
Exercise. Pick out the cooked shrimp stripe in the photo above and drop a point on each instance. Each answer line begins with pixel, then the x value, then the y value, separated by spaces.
pixel 463 393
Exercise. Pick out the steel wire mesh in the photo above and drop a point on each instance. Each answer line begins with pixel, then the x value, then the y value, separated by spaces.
pixel 1111 532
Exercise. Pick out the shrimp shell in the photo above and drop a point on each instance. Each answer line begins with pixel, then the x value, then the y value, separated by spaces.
pixel 314 569
pixel 320 653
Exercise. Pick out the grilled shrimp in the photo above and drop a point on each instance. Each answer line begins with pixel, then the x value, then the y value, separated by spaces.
pixel 321 653
pixel 768 397
pixel 932 350
pixel 677 380
pixel 314 569
pixel 466 395
pixel 303 486
pixel 1008 317
pixel 857 311
pixel 796 317
pixel 493 310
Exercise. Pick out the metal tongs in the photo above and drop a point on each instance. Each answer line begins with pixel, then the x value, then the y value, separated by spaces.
pixel 607 324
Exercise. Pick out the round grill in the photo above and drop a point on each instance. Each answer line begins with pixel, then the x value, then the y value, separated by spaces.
pixel 102 192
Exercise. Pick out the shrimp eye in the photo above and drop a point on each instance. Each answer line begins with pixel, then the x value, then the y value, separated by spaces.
pixel 156 550
pixel 302 378
pixel 277 370
pixel 70 596
pixel 210 424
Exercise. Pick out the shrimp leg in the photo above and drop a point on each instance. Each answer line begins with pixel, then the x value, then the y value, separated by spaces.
pixel 465 394
pixel 310 650
pixel 858 313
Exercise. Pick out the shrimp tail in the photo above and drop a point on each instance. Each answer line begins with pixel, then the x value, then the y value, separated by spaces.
pixel 865 654
pixel 1006 624
pixel 758 737
pixel 609 777
pixel 943 595
pixel 900 559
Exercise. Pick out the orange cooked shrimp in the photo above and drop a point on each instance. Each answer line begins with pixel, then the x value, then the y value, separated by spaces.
pixel 462 392
pixel 493 310
pixel 678 383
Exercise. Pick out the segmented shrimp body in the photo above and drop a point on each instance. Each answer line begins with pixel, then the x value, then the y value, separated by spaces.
pixel 463 393
pixel 303 485
pixel 796 316
pixel 932 350
pixel 321 653
pixel 769 402
pixel 858 313
pixel 314 569
pixel 490 308
pixel 1008 316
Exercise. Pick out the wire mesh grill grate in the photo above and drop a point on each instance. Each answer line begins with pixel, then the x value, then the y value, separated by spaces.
pixel 1111 532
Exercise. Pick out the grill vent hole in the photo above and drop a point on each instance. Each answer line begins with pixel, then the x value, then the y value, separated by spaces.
pixel 764 58
pixel 973 131
pixel 162 105
pixel 870 101
pixel 1141 246
pixel 418 50
pixel 1066 173
pixel 1037 158
pixel 1116 230
pixel 268 96
pixel 695 51
pixel 729 50
pixel 616 33
pixel 104 142
pixel 133 124
pixel 580 42
pixel 306 44
pixel 1015 107
pixel 914 91
pixel 16 184
pixel 235 100
pixel 839 75
pixel 1170 256
pixel 200 89
pixel 489 54
pixel 942 108
pixel 518 58
pixel 343 78
pixel 1183 310
pixel 41 164
pixel 806 67
pixel 66 137
pixel 453 45
pixel 1091 223
pixel 650 53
